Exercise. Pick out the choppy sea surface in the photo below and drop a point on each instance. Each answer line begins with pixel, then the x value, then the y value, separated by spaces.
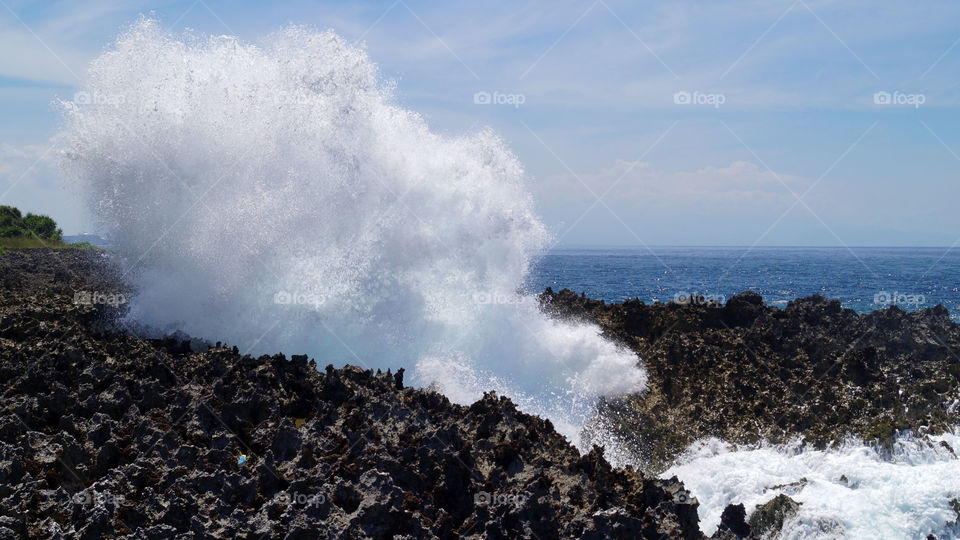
pixel 862 278
pixel 853 491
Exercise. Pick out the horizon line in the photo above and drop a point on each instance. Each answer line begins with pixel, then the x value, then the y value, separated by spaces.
pixel 765 246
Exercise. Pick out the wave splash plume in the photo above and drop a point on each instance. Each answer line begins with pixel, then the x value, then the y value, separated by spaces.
pixel 274 196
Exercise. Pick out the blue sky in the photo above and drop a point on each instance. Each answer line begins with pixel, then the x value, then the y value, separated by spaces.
pixel 721 123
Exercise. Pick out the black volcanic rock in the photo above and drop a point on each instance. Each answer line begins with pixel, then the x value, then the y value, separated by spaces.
pixel 103 434
pixel 768 518
pixel 733 521
pixel 745 371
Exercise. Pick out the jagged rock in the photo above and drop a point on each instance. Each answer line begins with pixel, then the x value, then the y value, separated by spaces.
pixel 745 372
pixel 733 522
pixel 768 518
pixel 104 434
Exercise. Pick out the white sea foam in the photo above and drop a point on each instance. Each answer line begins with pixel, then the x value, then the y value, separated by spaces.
pixel 902 494
pixel 274 197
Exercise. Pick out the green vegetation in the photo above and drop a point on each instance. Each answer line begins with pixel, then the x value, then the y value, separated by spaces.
pixel 31 231
pixel 14 225
pixel 30 242
pixel 83 245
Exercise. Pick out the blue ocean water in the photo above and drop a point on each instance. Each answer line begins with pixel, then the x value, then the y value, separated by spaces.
pixel 863 279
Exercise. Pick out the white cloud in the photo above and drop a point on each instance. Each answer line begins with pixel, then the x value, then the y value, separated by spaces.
pixel 57 47
pixel 32 60
pixel 29 180
pixel 739 184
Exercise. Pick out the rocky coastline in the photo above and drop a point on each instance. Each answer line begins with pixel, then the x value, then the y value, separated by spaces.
pixel 746 372
pixel 106 435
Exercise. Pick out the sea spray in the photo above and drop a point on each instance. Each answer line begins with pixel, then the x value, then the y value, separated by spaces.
pixel 853 491
pixel 275 197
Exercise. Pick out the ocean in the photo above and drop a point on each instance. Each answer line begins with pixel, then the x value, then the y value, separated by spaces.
pixel 862 278
pixel 335 223
pixel 902 494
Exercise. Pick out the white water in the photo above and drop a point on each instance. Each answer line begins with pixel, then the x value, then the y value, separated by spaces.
pixel 903 495
pixel 229 174
pixel 273 196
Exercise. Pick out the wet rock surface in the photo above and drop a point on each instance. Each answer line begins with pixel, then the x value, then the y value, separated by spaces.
pixel 103 434
pixel 745 372
pixel 768 518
